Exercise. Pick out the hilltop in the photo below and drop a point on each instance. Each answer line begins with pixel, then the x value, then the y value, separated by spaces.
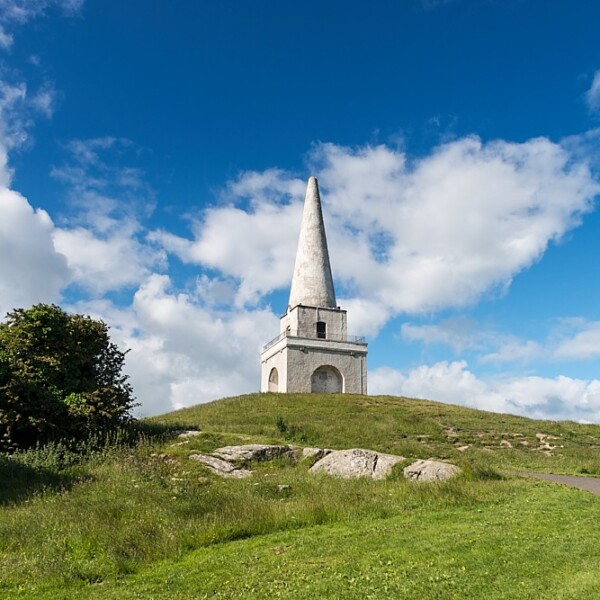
pixel 145 521
pixel 404 426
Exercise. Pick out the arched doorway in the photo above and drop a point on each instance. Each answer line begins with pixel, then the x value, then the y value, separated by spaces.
pixel 327 380
pixel 273 380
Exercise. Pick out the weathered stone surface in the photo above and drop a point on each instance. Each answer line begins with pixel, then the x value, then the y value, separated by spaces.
pixel 302 359
pixel 316 453
pixel 430 470
pixel 312 283
pixel 220 467
pixel 384 465
pixel 356 462
pixel 254 452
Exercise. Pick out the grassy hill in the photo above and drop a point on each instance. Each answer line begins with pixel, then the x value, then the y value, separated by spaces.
pixel 146 522
pixel 404 426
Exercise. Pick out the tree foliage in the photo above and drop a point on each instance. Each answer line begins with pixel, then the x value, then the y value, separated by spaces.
pixel 60 377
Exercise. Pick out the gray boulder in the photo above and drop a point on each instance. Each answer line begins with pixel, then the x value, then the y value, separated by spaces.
pixel 430 470
pixel 315 453
pixel 220 467
pixel 385 464
pixel 256 452
pixel 356 462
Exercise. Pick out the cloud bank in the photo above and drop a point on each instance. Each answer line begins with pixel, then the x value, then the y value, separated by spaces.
pixel 559 398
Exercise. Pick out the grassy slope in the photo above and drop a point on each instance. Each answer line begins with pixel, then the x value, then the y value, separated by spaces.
pixel 411 428
pixel 149 523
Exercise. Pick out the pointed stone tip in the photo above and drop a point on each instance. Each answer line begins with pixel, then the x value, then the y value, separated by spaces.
pixel 312 283
pixel 312 187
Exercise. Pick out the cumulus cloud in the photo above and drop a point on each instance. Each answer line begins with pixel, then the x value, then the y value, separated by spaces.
pixel 254 244
pixel 456 224
pixel 109 260
pixel 592 96
pixel 557 398
pixel 31 268
pixel 365 317
pixel 184 352
pixel 406 235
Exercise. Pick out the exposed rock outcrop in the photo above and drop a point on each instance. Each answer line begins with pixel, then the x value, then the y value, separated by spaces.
pixel 257 452
pixel 430 470
pixel 314 453
pixel 220 467
pixel 356 462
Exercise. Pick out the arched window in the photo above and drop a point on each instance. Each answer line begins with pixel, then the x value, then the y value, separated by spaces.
pixel 321 330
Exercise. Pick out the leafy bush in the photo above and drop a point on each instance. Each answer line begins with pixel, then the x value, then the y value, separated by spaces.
pixel 60 377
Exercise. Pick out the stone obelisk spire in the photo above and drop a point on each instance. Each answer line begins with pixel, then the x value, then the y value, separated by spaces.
pixel 312 284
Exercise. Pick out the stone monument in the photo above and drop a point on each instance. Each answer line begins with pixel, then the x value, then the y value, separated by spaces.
pixel 313 352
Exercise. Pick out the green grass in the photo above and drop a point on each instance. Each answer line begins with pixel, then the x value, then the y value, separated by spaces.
pixel 144 521
pixel 409 427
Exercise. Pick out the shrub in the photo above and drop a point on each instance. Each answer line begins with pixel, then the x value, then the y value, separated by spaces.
pixel 60 377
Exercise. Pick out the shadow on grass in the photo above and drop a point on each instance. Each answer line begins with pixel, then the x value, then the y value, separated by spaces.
pixel 59 465
pixel 19 482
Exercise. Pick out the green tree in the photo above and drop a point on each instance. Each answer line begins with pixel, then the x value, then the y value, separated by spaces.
pixel 60 377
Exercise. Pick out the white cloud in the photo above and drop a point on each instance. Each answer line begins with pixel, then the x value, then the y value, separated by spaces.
pixel 254 245
pixel 458 333
pixel 537 397
pixel 18 12
pixel 406 236
pixel 568 339
pixel 112 260
pixel 365 317
pixel 103 240
pixel 462 334
pixel 18 106
pixel 43 100
pixel 513 350
pixel 183 352
pixel 592 96
pixel 585 344
pixel 31 268
pixel 459 223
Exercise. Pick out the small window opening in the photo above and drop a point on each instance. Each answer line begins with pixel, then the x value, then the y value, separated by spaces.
pixel 321 330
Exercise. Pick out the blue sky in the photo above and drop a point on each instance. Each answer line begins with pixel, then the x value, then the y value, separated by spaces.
pixel 154 157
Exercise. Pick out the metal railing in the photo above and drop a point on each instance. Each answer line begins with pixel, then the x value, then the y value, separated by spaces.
pixel 356 339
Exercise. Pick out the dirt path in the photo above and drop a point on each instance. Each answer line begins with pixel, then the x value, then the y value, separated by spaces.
pixel 589 484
